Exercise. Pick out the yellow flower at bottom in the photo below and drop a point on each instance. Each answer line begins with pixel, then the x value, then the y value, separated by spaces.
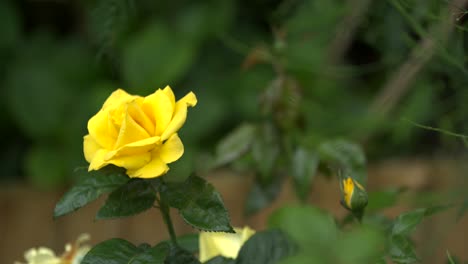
pixel 224 244
pixel 73 253
pixel 137 133
pixel 40 255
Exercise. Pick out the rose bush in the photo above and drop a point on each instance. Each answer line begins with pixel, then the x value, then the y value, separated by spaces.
pixel 137 133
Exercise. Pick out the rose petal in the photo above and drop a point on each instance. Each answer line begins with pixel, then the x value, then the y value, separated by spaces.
pixel 131 162
pixel 98 160
pixel 159 107
pixel 214 244
pixel 130 132
pixel 90 147
pixel 168 91
pixel 172 149
pixel 139 116
pixel 180 114
pixel 117 98
pixel 189 99
pixel 155 168
pixel 139 147
pixel 98 128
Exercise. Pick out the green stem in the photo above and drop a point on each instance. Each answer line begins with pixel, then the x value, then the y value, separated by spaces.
pixel 164 208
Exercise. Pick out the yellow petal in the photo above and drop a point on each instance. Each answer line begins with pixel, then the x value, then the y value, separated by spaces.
pixel 172 149
pixel 245 233
pixel 224 244
pixel 98 127
pixel 155 168
pixel 139 147
pixel 139 115
pixel 159 107
pixel 168 91
pixel 189 99
pixel 98 160
pixel 117 98
pixel 131 162
pixel 180 114
pixel 130 132
pixel 90 147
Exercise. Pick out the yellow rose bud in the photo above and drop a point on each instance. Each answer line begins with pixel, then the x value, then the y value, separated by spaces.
pixel 137 133
pixel 225 244
pixel 354 195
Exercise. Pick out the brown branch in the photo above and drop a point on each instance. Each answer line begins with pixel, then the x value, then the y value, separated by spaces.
pixel 400 81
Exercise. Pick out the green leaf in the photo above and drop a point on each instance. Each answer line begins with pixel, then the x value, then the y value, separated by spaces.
pixel 235 144
pixel 348 156
pixel 188 242
pixel 402 250
pixel 450 259
pixel 303 168
pixel 303 258
pixel 266 151
pixel 407 222
pixel 94 185
pixel 178 255
pixel 156 55
pixel 307 226
pixel 361 245
pixel 113 251
pixel 265 247
pixel 199 204
pixel 221 260
pixel 152 255
pixel 132 198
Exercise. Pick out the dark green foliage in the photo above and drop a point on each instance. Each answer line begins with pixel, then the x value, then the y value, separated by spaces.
pixel 113 251
pixel 199 204
pixel 134 197
pixel 92 185
pixel 119 251
pixel 268 247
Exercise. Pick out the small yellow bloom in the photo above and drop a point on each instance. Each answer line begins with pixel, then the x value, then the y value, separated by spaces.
pixel 73 253
pixel 224 244
pixel 354 195
pixel 137 133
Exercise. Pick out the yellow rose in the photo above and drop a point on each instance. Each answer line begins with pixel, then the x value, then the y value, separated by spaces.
pixel 224 244
pixel 137 133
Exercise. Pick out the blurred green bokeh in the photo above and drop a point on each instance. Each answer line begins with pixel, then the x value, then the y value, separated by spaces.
pixel 61 59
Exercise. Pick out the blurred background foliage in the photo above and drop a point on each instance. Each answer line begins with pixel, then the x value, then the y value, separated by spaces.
pixel 289 75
